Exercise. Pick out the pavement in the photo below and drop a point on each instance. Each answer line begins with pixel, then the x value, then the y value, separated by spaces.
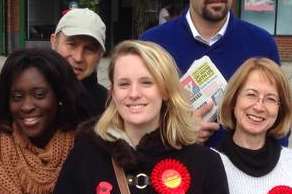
pixel 2 60
pixel 102 75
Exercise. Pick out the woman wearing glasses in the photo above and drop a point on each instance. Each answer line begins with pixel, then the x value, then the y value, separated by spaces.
pixel 257 109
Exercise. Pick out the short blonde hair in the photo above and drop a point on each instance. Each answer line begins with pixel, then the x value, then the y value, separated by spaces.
pixel 176 121
pixel 274 74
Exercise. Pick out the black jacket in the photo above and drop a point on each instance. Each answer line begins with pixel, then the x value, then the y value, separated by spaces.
pixel 97 95
pixel 89 164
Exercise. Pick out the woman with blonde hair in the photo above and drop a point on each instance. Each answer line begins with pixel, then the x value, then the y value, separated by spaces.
pixel 257 110
pixel 144 141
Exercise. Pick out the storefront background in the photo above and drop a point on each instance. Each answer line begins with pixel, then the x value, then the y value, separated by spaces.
pixel 273 15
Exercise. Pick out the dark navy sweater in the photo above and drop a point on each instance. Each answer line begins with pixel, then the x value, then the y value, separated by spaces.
pixel 241 41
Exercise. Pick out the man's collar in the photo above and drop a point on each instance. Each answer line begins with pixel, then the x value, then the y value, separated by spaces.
pixel 197 35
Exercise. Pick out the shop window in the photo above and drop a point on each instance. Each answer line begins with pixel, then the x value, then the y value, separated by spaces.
pixel 284 18
pixel 42 17
pixel 273 15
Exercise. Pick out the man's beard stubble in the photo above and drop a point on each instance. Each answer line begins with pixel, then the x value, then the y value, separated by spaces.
pixel 217 13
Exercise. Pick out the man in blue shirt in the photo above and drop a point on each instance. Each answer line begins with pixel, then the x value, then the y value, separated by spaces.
pixel 209 28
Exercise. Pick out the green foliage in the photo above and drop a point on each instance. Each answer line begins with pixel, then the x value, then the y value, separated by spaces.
pixel 91 4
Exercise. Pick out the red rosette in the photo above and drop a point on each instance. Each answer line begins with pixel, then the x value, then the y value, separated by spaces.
pixel 170 176
pixel 281 189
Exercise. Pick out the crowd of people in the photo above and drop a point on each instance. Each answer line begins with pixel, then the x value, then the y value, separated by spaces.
pixel 63 132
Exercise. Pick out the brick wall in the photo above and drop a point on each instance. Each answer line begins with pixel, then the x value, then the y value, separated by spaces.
pixel 285 47
pixel 13 25
pixel 12 16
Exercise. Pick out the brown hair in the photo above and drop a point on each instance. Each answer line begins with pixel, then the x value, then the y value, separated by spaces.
pixel 273 73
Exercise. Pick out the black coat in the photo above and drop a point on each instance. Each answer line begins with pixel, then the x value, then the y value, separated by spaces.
pixel 97 95
pixel 89 164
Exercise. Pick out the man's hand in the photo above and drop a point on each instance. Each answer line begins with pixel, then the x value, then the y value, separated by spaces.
pixel 206 128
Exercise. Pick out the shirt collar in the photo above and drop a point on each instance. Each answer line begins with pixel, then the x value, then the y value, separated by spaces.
pixel 198 37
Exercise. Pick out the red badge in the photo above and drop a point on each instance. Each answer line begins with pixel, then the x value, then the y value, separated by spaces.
pixel 170 176
pixel 104 188
pixel 282 189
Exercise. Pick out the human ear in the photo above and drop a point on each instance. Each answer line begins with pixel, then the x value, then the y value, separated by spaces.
pixel 53 41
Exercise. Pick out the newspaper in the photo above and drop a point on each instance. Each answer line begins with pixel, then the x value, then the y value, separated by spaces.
pixel 205 83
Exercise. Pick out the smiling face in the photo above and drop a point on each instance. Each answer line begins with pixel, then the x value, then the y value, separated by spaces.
pixel 33 104
pixel 82 52
pixel 211 10
pixel 136 94
pixel 256 115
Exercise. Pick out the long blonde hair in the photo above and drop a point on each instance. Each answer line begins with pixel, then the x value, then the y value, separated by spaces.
pixel 176 121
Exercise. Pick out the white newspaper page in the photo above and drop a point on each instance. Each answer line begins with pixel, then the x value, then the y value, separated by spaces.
pixel 205 83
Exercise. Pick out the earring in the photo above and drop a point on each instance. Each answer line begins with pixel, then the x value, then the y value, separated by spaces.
pixel 60 103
